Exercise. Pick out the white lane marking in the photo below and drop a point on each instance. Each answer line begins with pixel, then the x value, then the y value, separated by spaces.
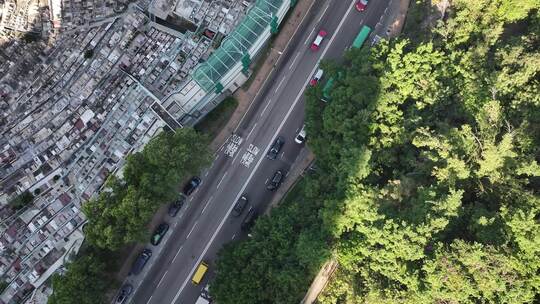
pixel 266 181
pixel 271 71
pixel 309 36
pixel 181 247
pixel 297 99
pixel 234 235
pixel 279 85
pixel 150 298
pixel 252 129
pixel 323 12
pixel 235 157
pixel 192 228
pixel 222 178
pixel 264 110
pixel 294 60
pixel 163 277
pixel 206 174
pixel 217 155
pixel 207 203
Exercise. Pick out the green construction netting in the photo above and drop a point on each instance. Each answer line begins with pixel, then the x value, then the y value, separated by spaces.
pixel 236 44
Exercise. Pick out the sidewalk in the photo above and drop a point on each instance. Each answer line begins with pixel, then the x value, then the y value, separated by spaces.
pixel 244 97
pixel 302 162
pixel 394 19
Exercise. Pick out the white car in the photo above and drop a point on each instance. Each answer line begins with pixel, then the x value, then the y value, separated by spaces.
pixel 318 40
pixel 315 79
pixel 301 137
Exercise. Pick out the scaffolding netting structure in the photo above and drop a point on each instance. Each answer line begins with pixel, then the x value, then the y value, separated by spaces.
pixel 258 18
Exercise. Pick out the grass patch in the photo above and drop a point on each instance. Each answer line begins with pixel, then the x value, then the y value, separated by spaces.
pixel 214 122
pixel 295 194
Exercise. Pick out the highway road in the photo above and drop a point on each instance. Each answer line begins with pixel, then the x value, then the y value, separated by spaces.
pixel 240 166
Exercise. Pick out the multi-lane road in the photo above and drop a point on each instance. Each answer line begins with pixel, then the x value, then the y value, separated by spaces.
pixel 241 167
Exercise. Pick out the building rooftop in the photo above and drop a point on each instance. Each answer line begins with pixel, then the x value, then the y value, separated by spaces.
pixel 239 42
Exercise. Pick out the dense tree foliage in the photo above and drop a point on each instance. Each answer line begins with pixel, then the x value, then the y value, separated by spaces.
pixel 120 213
pixel 430 154
pixel 272 266
pixel 84 282
pixel 21 200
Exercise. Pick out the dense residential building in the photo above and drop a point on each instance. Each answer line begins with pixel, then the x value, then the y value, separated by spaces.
pixel 99 81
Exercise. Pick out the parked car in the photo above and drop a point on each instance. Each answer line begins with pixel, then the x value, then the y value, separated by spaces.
pixel 176 206
pixel 124 293
pixel 192 185
pixel 159 233
pixel 361 5
pixel 249 219
pixel 276 147
pixel 301 136
pixel 275 181
pixel 239 206
pixel 318 40
pixel 316 77
pixel 141 260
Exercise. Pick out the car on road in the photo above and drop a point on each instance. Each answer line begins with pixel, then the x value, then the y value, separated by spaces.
pixel 301 136
pixel 124 293
pixel 275 181
pixel 318 40
pixel 193 183
pixel 199 274
pixel 316 77
pixel 141 260
pixel 176 206
pixel 249 219
pixel 276 147
pixel 361 5
pixel 159 233
pixel 239 206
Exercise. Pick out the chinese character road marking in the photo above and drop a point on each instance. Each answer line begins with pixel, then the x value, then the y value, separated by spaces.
pixel 249 156
pixel 232 145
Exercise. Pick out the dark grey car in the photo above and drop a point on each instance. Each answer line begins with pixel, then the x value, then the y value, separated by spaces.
pixel 239 206
pixel 276 147
pixel 275 181
pixel 249 219
pixel 124 293
pixel 176 206
pixel 192 185
pixel 141 260
pixel 159 233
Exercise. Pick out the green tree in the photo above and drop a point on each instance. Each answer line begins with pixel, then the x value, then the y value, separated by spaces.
pixel 429 154
pixel 21 200
pixel 84 282
pixel 120 213
pixel 272 266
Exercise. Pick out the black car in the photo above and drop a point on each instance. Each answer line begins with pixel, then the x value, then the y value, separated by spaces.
pixel 192 185
pixel 239 206
pixel 276 147
pixel 249 219
pixel 176 206
pixel 159 233
pixel 141 260
pixel 275 181
pixel 124 293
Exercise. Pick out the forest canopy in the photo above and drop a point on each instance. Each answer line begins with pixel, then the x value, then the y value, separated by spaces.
pixel 428 170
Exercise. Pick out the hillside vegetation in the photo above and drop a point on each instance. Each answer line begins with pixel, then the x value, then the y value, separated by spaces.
pixel 427 188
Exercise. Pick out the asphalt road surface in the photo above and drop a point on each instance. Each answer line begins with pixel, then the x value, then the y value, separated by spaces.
pixel 241 167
